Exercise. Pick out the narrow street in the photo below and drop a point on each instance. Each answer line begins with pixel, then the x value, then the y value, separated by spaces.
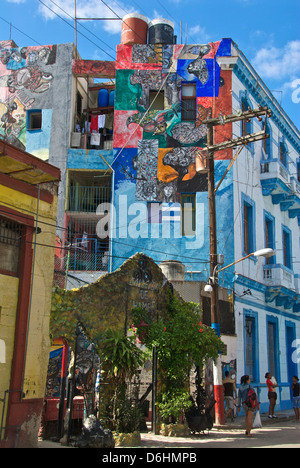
pixel 279 435
pixel 284 433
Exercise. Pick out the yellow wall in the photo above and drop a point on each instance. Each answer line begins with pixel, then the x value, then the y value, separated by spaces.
pixel 8 307
pixel 38 340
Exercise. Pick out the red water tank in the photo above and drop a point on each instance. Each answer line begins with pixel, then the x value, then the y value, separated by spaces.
pixel 134 29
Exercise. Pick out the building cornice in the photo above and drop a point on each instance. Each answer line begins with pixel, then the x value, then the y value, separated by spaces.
pixel 255 85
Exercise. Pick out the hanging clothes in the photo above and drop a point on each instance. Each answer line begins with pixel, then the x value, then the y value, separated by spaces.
pixel 94 124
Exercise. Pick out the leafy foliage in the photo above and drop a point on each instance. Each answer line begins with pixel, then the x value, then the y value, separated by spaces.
pixel 173 404
pixel 180 338
pixel 181 341
pixel 121 359
pixel 120 355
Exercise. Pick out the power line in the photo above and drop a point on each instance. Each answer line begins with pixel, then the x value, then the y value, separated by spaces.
pixel 22 32
pixel 73 27
pixel 114 241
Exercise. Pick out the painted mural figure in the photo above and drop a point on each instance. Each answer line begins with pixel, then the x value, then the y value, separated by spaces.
pixel 146 163
pixel 199 66
pixel 148 80
pixel 31 78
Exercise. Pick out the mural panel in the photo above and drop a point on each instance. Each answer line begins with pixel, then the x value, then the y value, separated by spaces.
pixel 25 74
pixel 170 165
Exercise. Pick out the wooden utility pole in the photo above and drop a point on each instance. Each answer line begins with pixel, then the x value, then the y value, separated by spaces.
pixel 212 148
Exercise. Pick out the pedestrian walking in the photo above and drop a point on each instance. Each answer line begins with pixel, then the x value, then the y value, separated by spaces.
pixel 272 394
pixel 248 399
pixel 296 396
pixel 230 393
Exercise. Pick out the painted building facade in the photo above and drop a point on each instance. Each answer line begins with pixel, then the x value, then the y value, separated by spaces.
pixel 132 151
pixel 28 202
pixel 164 92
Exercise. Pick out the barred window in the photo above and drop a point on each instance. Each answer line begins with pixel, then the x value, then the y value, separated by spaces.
pixel 189 102
pixel 10 241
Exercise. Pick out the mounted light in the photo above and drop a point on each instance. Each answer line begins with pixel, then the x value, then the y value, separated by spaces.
pixel 267 253
pixel 208 288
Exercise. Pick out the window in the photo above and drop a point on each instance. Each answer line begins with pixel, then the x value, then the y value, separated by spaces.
pixel 248 226
pixel 272 346
pixel 270 236
pixel 283 154
pixel 188 214
pixel 251 346
pixel 246 125
pixel 287 247
pixel 189 102
pixel 10 239
pixel 267 142
pixel 34 120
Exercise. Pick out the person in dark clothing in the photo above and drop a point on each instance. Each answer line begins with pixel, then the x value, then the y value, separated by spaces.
pixel 230 393
pixel 296 396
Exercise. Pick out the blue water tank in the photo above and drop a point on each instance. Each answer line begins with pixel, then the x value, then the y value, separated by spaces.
pixel 103 96
pixel 111 99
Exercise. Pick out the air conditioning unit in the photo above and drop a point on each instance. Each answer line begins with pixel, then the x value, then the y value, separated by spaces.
pixel 75 139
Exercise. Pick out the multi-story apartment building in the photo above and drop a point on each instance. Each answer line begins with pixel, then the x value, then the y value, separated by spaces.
pixel 132 149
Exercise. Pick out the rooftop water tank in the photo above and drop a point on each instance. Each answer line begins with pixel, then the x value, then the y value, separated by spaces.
pixel 103 96
pixel 173 270
pixel 161 31
pixel 134 29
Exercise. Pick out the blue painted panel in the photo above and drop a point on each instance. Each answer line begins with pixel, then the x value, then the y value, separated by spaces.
pixel 38 141
pixel 91 159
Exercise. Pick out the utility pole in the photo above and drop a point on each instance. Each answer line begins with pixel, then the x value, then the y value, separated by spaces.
pixel 214 304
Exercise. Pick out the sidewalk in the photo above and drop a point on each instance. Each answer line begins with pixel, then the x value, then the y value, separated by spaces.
pixel 150 439
pixel 239 422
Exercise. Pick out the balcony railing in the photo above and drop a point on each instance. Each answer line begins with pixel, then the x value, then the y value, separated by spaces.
pixel 86 199
pixel 277 275
pixel 86 253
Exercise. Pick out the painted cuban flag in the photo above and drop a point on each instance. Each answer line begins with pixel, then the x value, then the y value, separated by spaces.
pixel 171 212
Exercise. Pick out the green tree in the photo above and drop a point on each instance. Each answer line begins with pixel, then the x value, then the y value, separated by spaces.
pixel 181 341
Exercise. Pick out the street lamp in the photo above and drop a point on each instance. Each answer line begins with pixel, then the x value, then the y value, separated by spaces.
pixel 267 253
pixel 212 288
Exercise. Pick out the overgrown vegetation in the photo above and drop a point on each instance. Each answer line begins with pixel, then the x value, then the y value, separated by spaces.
pixel 182 341
pixel 121 360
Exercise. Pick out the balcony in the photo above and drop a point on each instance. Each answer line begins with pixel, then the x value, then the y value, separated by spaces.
pixel 278 275
pixel 88 254
pixel 274 177
pixel 281 287
pixel 284 190
pixel 86 199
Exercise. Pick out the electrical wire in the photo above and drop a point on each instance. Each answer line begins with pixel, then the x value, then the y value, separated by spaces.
pixel 136 246
pixel 22 32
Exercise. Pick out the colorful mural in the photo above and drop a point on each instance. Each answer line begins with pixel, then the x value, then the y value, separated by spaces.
pixel 167 145
pixel 25 74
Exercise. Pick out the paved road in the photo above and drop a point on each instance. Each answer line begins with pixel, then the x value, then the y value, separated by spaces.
pixel 284 434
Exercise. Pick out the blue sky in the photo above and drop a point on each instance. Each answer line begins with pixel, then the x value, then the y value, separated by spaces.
pixel 267 31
